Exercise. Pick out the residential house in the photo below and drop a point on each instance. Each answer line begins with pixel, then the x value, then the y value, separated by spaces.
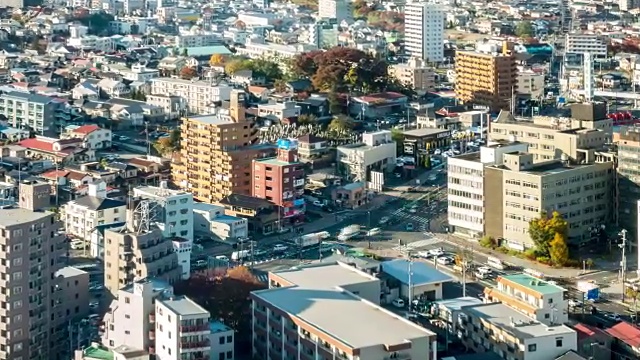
pixel 127 173
pixel 593 342
pixel 173 106
pixel 262 215
pixel 113 88
pixel 315 106
pixel 87 89
pixel 93 137
pixel 135 111
pixel 377 105
pixel 626 344
pixel 151 170
pixel 311 147
pixel 279 112
pixel 260 92
pixel 57 150
pixel 350 196
pixel 247 78
pixel 172 65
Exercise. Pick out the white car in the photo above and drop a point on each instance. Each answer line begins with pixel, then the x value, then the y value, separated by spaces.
pixel 222 258
pixel 413 210
pixel 399 303
pixel 77 245
pixel 445 261
pixel 437 152
pixel 280 248
pixel 574 303
pixel 423 254
pixel 485 270
pixel 436 252
pixel 318 203
pixel 374 232
pixel 124 138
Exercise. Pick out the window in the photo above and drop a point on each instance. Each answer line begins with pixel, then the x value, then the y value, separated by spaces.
pixel 546 316
pixel 229 339
pixel 221 339
pixel 127 332
pixel 17 275
pixel 127 316
pixel 532 347
pixel 127 300
pixel 229 354
pixel 558 342
pixel 17 347
pixel 221 356
pixel 17 261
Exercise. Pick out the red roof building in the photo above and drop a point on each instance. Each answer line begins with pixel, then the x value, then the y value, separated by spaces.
pixel 86 129
pixel 627 336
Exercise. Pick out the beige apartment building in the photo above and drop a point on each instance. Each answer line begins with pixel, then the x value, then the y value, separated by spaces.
pixel 628 179
pixel 519 190
pixel 550 137
pixel 132 255
pixel 197 95
pixel 415 74
pixel 216 154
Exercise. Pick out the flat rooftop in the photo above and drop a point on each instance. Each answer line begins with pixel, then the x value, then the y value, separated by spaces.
pixel 184 306
pixel 422 273
pixel 458 303
pixel 534 284
pixel 156 191
pixel 514 322
pixel 17 216
pixel 424 132
pixel 325 276
pixel 70 271
pixel 212 119
pixel 275 162
pixel 343 316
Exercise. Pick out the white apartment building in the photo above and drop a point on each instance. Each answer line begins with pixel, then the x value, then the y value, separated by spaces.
pixel 140 72
pixel 256 50
pixel 512 335
pixel 222 341
pixel 181 329
pixel 536 298
pixel 466 186
pixel 198 95
pixel 188 40
pixel 335 9
pixel 92 42
pixel 83 215
pixel 210 220
pixel 376 152
pixel 279 111
pixel 129 318
pixel 424 31
pixel 175 220
pixel 594 44
pixel 530 83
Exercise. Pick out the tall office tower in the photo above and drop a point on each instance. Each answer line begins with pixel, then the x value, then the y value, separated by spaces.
pixel 424 31
pixel 335 9
pixel 30 255
pixel 216 154
pixel 487 77
pixel 628 184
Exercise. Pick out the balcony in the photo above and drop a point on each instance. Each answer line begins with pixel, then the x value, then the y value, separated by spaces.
pixel 195 344
pixel 398 357
pixel 185 329
pixel 152 334
pixel 152 318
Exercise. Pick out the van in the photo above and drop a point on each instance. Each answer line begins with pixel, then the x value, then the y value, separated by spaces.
pixel 200 264
pixel 399 303
pixel 77 245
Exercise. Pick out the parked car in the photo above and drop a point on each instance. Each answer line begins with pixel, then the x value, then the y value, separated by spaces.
pixel 280 248
pixel 383 220
pixel 409 227
pixel 399 303
pixel 200 264
pixel 374 232
pixel 77 245
pixel 445 260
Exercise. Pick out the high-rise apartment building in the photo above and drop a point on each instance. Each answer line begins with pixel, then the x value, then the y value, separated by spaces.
pixel 45 115
pixel 280 180
pixel 32 249
pixel 579 43
pixel 182 329
pixel 217 151
pixel 628 179
pixel 415 74
pixel 135 253
pixel 335 9
pixel 424 30
pixel 486 78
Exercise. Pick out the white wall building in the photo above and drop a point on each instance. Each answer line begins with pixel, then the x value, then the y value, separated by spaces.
pixel 92 42
pixel 424 31
pixel 175 219
pixel 209 220
pixel 530 83
pixel 128 320
pixel 594 44
pixel 222 341
pixel 335 9
pixel 466 186
pixel 256 50
pixel 197 39
pixel 376 152
pixel 279 111
pixel 81 216
pixel 198 95
pixel 182 329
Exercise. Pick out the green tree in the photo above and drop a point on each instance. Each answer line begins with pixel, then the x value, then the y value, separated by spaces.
pixel 524 29
pixel 543 230
pixel 340 123
pixel 307 119
pixel 234 65
pixel 269 69
pixel 487 242
pixel 174 139
pixel 334 103
pixel 427 161
pixel 185 52
pixel 558 250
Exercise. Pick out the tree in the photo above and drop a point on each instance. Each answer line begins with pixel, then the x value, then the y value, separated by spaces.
pixel 235 65
pixel 225 294
pixel 216 60
pixel 280 86
pixel 524 29
pixel 163 145
pixel 269 69
pixel 97 23
pixel 558 250
pixel 427 161
pixel 487 242
pixel 335 107
pixel 188 73
pixel 185 52
pixel 174 139
pixel 307 119
pixel 543 230
pixel 340 124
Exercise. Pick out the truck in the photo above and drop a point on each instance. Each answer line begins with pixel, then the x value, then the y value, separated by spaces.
pixel 242 254
pixel 349 231
pixel 311 239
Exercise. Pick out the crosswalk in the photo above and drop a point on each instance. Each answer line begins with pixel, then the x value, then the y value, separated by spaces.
pixel 263 278
pixel 430 241
pixel 420 220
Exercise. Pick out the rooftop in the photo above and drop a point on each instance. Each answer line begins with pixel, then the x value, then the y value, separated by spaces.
pixel 183 306
pixel 98 353
pixel 157 191
pixel 345 316
pixel 325 276
pixel 212 119
pixel 424 132
pixel 17 216
pixel 275 162
pixel 457 303
pixel 534 284
pixel 627 333
pixel 94 203
pixel 69 271
pixel 218 326
pixel 514 322
pixel 422 273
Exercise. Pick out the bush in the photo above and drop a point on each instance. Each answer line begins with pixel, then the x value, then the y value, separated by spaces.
pixel 503 250
pixel 487 242
pixel 544 260
pixel 530 254
pixel 573 263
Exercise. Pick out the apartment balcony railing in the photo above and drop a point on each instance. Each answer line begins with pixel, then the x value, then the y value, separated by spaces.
pixel 194 328
pixel 195 344
pixel 152 334
pixel 152 318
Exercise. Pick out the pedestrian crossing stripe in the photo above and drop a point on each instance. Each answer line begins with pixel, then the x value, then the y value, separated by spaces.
pixel 263 278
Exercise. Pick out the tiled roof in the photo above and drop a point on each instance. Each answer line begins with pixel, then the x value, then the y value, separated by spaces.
pixel 627 333
pixel 54 174
pixel 41 145
pixel 86 129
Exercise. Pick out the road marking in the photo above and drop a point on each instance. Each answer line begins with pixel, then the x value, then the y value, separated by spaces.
pixel 591 274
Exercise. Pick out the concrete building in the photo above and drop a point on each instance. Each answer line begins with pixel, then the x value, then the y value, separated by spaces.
pixel 579 137
pixel 530 84
pixel 44 114
pixel 424 30
pixel 198 95
pixel 174 215
pixel 128 322
pixel 32 251
pixel 214 164
pixel 280 111
pixel 335 9
pixel 210 221
pixel 222 340
pixel 70 307
pixel 415 74
pixel 536 298
pixel 83 215
pixel 280 180
pixel 425 282
pixel 376 152
pixel 627 5
pixel 497 327
pixel 582 193
pixel 628 179
pixel 181 329
pixel 594 44
pixel 136 253
pixel 466 209
pixel 287 318
pixel 486 78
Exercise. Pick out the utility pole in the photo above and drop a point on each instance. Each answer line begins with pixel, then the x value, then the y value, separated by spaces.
pixel 410 285
pixel 623 263
pixel 368 229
